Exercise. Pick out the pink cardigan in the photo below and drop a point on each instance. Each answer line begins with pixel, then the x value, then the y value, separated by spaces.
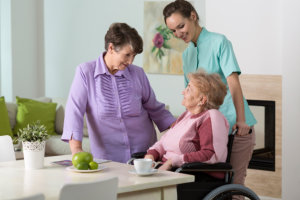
pixel 194 138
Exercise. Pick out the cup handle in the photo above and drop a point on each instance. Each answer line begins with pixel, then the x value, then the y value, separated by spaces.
pixel 130 161
pixel 155 164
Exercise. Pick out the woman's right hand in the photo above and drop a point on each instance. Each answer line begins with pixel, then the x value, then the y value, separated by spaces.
pixel 166 166
pixel 75 146
pixel 243 128
pixel 149 156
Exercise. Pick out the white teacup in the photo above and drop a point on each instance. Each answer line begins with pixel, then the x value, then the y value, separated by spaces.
pixel 144 165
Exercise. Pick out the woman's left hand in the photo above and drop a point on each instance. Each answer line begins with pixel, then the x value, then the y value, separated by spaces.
pixel 166 166
pixel 243 128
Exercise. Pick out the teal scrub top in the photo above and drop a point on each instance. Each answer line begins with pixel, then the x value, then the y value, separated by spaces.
pixel 214 54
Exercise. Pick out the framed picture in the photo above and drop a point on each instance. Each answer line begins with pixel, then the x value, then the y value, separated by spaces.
pixel 162 51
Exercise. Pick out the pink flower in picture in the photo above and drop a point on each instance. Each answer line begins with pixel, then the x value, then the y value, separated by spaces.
pixel 158 40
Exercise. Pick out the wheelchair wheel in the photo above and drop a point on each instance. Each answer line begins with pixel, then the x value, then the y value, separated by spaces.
pixel 226 192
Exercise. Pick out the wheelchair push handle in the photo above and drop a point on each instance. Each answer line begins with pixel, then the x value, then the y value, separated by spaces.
pixel 236 130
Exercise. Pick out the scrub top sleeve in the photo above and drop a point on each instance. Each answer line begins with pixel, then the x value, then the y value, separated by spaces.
pixel 76 107
pixel 157 111
pixel 228 62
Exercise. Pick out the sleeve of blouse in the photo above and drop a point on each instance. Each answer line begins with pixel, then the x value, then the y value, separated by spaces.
pixel 206 144
pixel 157 150
pixel 157 111
pixel 75 107
pixel 227 58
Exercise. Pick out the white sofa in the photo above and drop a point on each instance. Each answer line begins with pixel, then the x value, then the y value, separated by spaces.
pixel 54 145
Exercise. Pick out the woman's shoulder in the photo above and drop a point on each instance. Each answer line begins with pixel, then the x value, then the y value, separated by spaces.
pixel 87 67
pixel 135 67
pixel 214 35
pixel 218 118
pixel 136 70
pixel 215 113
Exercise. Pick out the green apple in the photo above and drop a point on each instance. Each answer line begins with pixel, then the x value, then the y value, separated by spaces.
pixel 82 157
pixel 93 165
pixel 82 166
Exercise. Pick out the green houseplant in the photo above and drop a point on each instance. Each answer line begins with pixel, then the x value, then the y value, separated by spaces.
pixel 33 132
pixel 33 138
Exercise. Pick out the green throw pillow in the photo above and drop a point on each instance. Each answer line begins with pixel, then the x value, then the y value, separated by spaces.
pixel 5 128
pixel 30 111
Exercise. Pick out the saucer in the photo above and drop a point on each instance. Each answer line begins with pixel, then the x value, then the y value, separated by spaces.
pixel 73 169
pixel 153 171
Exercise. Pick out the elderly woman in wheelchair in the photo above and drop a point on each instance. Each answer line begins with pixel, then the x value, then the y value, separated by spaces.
pixel 198 143
pixel 200 134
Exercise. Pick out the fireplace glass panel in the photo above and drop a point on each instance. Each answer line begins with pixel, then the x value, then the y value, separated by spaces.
pixel 263 156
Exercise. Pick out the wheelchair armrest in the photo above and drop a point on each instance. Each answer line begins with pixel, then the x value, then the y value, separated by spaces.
pixel 198 166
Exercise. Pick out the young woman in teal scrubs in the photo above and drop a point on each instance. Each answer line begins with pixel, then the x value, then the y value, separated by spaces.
pixel 213 52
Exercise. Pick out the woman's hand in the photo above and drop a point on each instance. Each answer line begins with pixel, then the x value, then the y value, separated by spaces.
pixel 166 166
pixel 172 124
pixel 75 146
pixel 238 101
pixel 149 156
pixel 243 128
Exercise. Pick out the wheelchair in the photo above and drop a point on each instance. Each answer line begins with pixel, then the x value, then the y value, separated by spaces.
pixel 207 187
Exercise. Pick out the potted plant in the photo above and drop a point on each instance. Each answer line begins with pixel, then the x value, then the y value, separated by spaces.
pixel 33 139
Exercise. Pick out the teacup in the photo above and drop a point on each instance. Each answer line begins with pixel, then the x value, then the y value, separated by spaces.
pixel 144 165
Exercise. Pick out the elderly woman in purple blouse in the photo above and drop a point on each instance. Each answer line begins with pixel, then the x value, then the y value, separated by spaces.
pixel 117 99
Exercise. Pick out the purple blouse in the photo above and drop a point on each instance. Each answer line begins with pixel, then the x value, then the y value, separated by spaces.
pixel 119 110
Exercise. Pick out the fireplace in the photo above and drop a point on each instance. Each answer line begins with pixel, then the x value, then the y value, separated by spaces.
pixel 265 175
pixel 263 156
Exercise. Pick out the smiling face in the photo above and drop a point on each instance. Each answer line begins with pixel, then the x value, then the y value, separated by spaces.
pixel 184 28
pixel 191 97
pixel 119 57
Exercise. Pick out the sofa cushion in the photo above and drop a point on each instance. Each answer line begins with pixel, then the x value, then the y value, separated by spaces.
pixel 5 128
pixel 60 115
pixel 12 109
pixel 55 146
pixel 30 110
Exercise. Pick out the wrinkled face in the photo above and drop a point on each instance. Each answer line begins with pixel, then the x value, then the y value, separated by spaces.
pixel 122 57
pixel 183 28
pixel 191 96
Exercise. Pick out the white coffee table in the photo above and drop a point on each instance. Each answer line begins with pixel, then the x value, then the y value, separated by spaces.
pixel 18 182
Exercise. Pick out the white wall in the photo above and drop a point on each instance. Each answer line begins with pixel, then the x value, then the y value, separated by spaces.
pixel 6 66
pixel 253 28
pixel 21 64
pixel 74 33
pixel 290 32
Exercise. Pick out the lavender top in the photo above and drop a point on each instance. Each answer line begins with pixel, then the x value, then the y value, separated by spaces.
pixel 119 110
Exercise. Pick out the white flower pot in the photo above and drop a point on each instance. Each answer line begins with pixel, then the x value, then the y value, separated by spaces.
pixel 34 153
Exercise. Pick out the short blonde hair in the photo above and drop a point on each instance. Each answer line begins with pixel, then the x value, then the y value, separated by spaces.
pixel 211 86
